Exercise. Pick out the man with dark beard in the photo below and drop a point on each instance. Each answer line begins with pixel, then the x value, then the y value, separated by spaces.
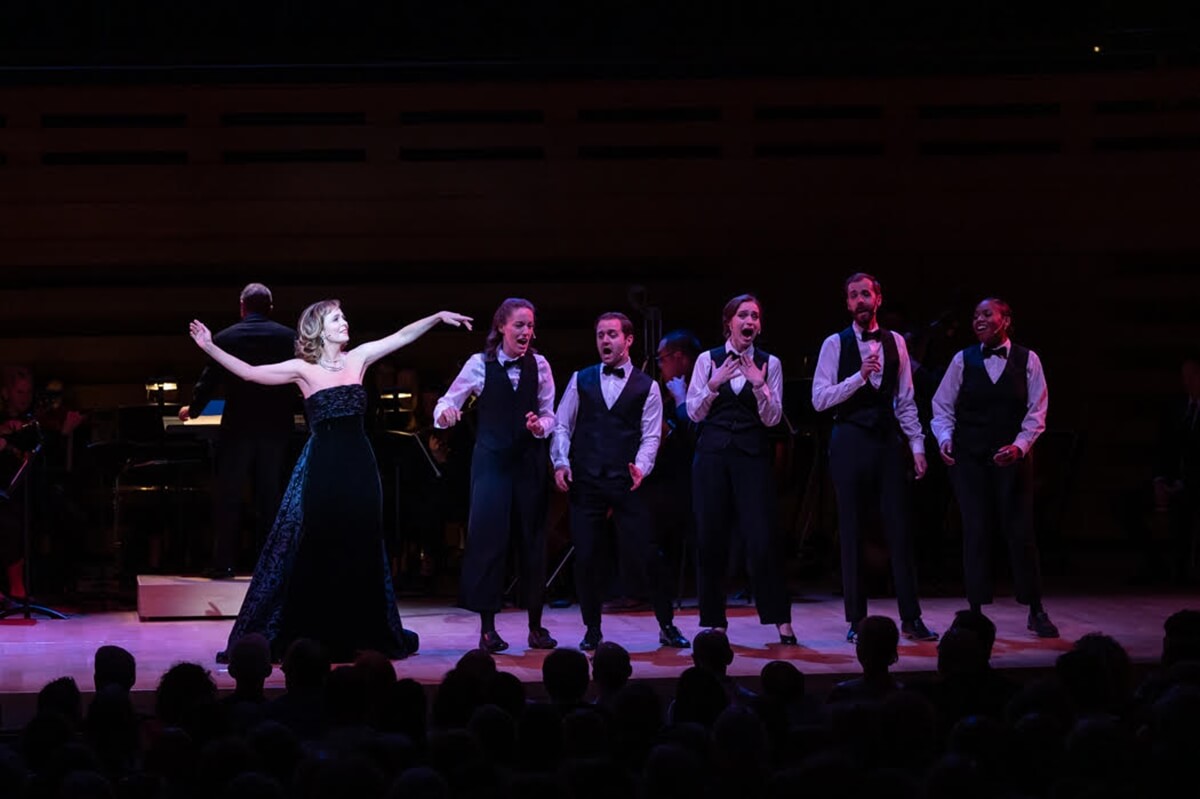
pixel 863 373
pixel 987 414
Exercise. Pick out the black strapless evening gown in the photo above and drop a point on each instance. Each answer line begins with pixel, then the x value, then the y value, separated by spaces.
pixel 323 572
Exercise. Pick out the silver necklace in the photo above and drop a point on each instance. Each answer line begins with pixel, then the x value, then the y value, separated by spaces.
pixel 337 366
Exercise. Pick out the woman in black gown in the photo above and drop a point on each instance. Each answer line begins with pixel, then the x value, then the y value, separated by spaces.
pixel 323 572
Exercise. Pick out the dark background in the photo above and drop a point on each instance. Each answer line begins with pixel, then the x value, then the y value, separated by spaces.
pixel 155 157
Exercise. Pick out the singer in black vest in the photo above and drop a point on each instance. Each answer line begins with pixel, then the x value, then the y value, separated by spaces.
pixel 863 374
pixel 987 413
pixel 734 396
pixel 256 425
pixel 607 430
pixel 514 391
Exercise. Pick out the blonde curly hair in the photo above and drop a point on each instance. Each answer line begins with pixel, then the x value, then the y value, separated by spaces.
pixel 309 338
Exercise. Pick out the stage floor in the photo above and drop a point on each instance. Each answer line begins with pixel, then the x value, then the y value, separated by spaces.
pixel 34 652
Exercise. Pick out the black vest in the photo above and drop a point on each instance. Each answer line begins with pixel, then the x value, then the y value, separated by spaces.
pixel 869 407
pixel 988 416
pixel 501 410
pixel 606 439
pixel 733 420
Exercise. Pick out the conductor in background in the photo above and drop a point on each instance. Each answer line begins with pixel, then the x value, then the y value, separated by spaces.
pixel 256 425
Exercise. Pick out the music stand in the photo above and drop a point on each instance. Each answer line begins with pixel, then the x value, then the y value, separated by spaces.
pixel 20 481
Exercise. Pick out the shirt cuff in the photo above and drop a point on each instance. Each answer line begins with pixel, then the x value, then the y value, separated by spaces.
pixel 918 446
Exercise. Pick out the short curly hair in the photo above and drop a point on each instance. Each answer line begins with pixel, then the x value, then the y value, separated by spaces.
pixel 310 327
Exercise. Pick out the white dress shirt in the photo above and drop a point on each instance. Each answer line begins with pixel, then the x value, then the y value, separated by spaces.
pixel 471 379
pixel 769 395
pixel 946 398
pixel 611 387
pixel 828 392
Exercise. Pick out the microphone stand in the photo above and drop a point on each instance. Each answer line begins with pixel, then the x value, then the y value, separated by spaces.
pixel 25 606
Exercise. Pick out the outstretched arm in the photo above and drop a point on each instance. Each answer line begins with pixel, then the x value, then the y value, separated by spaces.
pixel 271 374
pixel 372 351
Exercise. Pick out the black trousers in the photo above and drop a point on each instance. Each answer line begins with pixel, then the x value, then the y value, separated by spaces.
pixel 246 458
pixel 868 467
pixel 508 500
pixel 591 500
pixel 996 499
pixel 733 490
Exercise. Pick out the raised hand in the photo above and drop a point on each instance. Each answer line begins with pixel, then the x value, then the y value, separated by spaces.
pixel 200 334
pixel 754 376
pixel 678 389
pixel 871 364
pixel 723 374
pixel 455 319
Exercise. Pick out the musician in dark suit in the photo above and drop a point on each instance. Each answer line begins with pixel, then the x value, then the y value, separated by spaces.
pixel 1175 488
pixel 256 424
pixel 606 435
pixel 987 414
pixel 863 374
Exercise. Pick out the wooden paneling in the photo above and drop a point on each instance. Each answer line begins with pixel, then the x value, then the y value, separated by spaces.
pixel 1071 195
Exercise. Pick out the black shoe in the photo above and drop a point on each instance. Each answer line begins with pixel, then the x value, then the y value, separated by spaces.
pixel 1039 623
pixel 669 635
pixel 852 633
pixel 539 638
pixel 788 640
pixel 223 656
pixel 492 642
pixel 220 574
pixel 591 639
pixel 916 630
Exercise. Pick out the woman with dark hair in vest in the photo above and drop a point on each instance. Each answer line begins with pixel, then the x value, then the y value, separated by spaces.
pixel 987 414
pixel 514 391
pixel 735 395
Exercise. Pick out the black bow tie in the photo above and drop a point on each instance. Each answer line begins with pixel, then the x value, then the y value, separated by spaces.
pixel 872 335
pixel 513 364
pixel 997 352
pixel 618 371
